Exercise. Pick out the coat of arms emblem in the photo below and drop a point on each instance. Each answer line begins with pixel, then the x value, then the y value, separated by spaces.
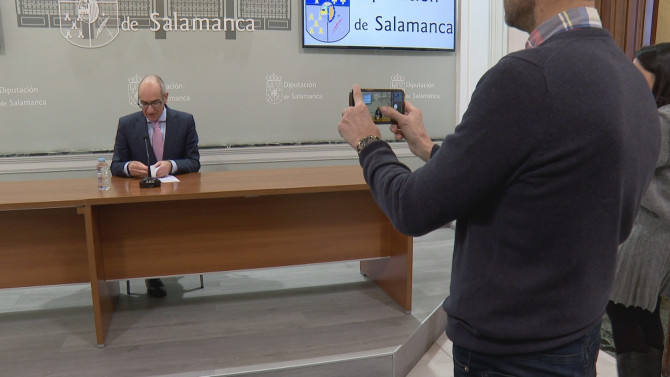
pixel 89 23
pixel 327 20
pixel 273 90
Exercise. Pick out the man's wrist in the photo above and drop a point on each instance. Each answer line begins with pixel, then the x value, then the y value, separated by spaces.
pixel 365 141
pixel 126 169
pixel 423 150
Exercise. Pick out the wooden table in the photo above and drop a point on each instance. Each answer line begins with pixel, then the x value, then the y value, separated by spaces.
pixel 219 221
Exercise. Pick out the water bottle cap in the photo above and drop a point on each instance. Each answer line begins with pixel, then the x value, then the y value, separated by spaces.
pixel 101 159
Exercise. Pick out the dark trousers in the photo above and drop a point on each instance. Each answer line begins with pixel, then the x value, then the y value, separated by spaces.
pixel 635 329
pixel 577 359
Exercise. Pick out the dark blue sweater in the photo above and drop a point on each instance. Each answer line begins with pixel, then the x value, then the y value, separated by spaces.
pixel 544 176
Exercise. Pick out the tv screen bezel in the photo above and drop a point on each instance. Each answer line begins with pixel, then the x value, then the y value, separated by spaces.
pixel 392 48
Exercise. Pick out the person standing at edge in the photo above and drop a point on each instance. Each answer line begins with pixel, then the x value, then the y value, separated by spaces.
pixel 544 176
pixel 643 265
pixel 173 139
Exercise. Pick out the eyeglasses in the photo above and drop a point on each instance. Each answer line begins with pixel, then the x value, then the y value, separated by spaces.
pixel 155 104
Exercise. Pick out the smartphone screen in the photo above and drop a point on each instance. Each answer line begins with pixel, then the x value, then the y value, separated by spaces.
pixel 374 99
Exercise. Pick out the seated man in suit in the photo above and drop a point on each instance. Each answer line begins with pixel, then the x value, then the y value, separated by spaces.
pixel 174 143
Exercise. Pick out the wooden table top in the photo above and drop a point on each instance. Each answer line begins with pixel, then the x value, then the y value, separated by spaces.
pixel 79 192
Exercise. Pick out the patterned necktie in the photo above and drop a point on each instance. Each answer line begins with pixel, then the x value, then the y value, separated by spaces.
pixel 157 141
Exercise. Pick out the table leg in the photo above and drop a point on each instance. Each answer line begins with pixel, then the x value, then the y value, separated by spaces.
pixel 393 274
pixel 104 294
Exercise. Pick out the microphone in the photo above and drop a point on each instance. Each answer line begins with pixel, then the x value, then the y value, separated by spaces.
pixel 149 181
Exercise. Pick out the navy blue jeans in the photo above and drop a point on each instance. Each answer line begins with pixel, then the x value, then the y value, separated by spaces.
pixel 577 359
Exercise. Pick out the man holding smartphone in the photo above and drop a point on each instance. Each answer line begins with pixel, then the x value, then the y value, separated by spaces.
pixel 544 176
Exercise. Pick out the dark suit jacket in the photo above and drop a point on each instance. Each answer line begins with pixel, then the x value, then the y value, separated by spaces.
pixel 181 142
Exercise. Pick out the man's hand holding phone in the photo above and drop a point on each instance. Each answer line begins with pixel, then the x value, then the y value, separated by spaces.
pixel 409 126
pixel 356 122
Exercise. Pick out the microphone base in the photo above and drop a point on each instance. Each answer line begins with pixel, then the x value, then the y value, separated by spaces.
pixel 149 182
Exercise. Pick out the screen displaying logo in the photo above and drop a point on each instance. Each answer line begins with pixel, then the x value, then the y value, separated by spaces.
pixel 395 24
pixel 327 20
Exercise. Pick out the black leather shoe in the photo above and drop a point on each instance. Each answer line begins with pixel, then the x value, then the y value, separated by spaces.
pixel 155 288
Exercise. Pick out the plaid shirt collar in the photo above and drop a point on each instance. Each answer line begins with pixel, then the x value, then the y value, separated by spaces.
pixel 575 18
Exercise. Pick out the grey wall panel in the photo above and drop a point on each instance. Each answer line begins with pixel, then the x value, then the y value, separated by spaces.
pixel 62 89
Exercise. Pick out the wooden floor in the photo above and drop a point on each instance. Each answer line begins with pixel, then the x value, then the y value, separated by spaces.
pixel 241 323
pixel 265 322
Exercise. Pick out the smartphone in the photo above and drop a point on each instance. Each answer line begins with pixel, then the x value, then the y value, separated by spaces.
pixel 374 99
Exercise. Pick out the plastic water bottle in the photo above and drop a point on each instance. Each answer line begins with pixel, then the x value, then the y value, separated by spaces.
pixel 103 174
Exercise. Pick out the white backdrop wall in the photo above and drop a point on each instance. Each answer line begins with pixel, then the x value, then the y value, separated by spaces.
pixel 68 98
pixel 60 97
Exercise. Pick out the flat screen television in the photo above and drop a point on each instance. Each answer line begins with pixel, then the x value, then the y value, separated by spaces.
pixel 392 24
